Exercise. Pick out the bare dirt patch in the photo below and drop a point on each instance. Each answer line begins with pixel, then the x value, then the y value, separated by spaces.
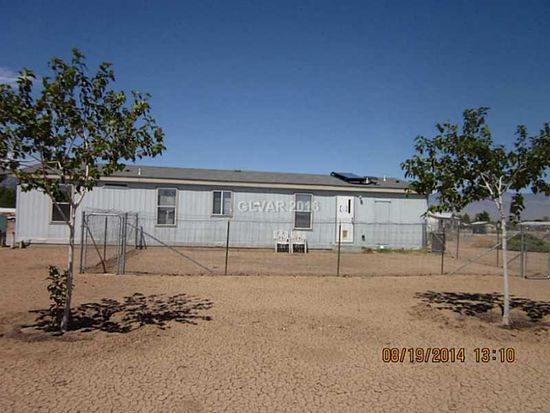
pixel 273 344
pixel 159 260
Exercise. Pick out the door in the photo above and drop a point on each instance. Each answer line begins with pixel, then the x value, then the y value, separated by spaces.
pixel 384 232
pixel 382 211
pixel 344 218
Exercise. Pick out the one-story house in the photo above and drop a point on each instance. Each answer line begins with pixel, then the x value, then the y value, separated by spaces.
pixel 482 227
pixel 436 221
pixel 7 217
pixel 183 206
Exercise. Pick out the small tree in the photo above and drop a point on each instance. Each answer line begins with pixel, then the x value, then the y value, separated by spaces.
pixel 62 138
pixel 483 216
pixel 465 218
pixel 58 294
pixel 465 166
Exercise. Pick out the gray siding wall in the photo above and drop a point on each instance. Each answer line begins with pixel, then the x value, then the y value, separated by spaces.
pixel 252 228
pixel 390 221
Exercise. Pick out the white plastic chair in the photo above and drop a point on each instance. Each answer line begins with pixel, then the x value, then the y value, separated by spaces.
pixel 298 239
pixel 281 239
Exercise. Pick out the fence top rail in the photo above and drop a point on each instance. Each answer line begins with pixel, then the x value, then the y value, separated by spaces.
pixel 103 215
pixel 535 224
pixel 109 212
pixel 224 219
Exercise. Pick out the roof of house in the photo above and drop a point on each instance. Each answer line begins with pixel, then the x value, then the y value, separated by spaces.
pixel 535 223
pixel 442 215
pixel 238 176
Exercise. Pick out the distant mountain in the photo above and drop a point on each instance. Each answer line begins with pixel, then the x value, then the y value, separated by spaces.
pixel 537 206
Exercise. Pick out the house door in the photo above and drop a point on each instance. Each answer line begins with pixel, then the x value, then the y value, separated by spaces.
pixel 344 218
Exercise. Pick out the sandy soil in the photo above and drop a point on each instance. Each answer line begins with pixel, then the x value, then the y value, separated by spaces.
pixel 158 260
pixel 474 256
pixel 268 344
pixel 479 247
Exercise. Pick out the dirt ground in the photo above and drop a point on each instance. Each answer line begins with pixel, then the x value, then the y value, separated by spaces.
pixel 160 260
pixel 475 256
pixel 268 344
pixel 480 247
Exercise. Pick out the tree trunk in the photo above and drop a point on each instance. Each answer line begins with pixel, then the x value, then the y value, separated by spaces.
pixel 70 265
pixel 506 309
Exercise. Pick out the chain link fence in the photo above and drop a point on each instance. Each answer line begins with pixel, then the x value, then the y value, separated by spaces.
pixel 117 242
pixel 248 247
pixel 528 249
pixel 107 240
pixel 533 245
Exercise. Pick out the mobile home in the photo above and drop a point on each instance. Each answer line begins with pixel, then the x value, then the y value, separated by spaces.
pixel 183 206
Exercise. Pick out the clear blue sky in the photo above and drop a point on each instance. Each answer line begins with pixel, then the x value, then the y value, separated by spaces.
pixel 303 86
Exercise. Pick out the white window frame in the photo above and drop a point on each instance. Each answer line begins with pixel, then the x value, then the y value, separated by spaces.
pixel 297 210
pixel 175 206
pixel 222 212
pixel 53 207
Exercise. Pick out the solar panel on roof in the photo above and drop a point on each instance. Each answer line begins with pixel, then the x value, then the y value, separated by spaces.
pixel 346 176
pixel 355 179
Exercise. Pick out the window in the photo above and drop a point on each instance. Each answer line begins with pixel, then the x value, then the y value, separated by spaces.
pixel 302 211
pixel 166 206
pixel 63 204
pixel 221 203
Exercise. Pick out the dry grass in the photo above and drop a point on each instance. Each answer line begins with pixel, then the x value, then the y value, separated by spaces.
pixel 483 241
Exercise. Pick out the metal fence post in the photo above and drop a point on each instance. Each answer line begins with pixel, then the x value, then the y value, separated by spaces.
pixel 227 247
pixel 105 229
pixel 424 235
pixel 443 247
pixel 142 244
pixel 498 242
pixel 522 266
pixel 82 255
pixel 124 235
pixel 136 231
pixel 119 243
pixel 457 239
pixel 339 244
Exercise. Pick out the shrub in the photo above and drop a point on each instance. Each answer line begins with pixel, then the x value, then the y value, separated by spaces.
pixel 532 244
pixel 57 288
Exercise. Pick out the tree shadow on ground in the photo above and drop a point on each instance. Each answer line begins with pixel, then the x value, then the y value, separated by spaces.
pixel 475 304
pixel 133 312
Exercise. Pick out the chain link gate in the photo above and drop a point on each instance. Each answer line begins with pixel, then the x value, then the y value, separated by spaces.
pixel 534 247
pixel 106 238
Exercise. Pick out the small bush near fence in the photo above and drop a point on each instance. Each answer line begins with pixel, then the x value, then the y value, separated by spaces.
pixel 532 244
